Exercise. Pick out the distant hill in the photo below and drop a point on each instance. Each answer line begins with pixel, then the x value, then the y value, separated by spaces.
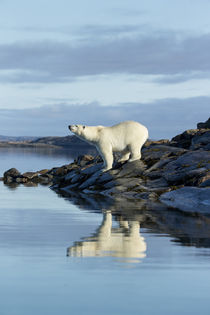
pixel 68 141
pixel 16 139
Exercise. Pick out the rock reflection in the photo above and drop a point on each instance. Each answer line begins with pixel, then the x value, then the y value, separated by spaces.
pixel 122 241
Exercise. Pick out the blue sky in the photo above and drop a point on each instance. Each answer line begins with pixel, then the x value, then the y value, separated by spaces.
pixel 101 62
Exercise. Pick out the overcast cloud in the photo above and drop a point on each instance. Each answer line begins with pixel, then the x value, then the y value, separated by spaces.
pixel 152 54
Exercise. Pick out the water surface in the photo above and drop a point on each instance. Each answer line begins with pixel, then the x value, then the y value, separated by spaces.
pixel 61 258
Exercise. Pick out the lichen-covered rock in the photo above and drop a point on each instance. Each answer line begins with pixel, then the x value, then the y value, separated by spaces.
pixel 188 168
pixel 157 153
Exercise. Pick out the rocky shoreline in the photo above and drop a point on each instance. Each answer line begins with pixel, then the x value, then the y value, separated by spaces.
pixel 175 172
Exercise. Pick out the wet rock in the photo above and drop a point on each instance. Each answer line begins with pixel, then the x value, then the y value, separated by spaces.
pixel 45 179
pixel 189 199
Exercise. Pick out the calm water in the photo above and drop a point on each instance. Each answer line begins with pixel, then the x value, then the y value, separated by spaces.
pixel 59 258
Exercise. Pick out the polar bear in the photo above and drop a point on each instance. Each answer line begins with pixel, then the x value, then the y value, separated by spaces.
pixel 126 137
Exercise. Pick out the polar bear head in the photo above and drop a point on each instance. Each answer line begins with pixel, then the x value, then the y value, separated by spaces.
pixel 77 130
pixel 88 133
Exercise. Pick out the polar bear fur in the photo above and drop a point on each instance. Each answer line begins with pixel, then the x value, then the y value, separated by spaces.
pixel 126 137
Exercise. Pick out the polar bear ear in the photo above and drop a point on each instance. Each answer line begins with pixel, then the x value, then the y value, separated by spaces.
pixel 83 127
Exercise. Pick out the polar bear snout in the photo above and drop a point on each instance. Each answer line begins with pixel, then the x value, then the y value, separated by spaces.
pixel 72 128
pixel 76 128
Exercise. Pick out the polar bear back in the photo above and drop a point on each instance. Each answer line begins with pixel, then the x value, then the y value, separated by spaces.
pixel 124 134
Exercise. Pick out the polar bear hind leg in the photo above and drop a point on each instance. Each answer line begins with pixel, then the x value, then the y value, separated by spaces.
pixel 124 156
pixel 135 153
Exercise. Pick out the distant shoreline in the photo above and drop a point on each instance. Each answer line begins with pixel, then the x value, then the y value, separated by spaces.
pixel 41 145
pixel 68 142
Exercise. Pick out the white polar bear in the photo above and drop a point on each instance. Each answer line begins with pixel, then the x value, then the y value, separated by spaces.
pixel 126 137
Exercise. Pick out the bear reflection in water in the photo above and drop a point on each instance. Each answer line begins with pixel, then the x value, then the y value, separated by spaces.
pixel 123 241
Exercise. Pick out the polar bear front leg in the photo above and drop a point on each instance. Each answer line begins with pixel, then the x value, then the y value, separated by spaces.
pixel 107 156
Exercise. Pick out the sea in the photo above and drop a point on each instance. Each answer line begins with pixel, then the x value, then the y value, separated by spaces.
pixel 62 256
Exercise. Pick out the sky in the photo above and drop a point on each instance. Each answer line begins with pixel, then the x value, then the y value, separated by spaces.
pixel 101 62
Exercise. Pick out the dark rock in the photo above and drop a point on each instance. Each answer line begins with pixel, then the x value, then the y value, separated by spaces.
pixel 83 160
pixel 8 179
pixel 183 140
pixel 189 138
pixel 201 141
pixel 30 175
pixel 204 125
pixel 21 180
pixel 60 171
pixel 204 181
pixel 92 169
pixel 70 175
pixel 133 169
pixel 105 177
pixel 77 178
pixel 12 172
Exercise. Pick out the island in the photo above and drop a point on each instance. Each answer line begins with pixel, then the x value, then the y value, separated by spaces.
pixel 174 172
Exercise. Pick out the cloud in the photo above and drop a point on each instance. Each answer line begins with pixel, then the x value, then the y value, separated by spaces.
pixel 182 77
pixel 160 53
pixel 164 118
